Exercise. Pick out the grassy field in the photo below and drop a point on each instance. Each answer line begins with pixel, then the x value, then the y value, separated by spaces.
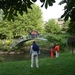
pixel 64 65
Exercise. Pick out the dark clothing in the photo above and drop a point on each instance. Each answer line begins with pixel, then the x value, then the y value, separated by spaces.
pixel 35 47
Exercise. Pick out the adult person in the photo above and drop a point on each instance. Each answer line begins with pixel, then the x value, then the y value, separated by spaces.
pixel 51 46
pixel 34 51
pixel 52 50
pixel 57 49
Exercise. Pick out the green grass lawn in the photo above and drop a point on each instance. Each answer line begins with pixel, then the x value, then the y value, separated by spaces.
pixel 64 65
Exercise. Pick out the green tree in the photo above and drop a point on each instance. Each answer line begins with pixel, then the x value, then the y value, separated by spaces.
pixel 69 9
pixel 22 24
pixel 34 18
pixel 52 27
pixel 10 8
pixel 30 21
pixel 65 26
pixel 71 28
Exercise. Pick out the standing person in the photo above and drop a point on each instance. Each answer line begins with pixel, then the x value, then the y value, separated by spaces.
pixel 57 49
pixel 52 50
pixel 51 46
pixel 34 51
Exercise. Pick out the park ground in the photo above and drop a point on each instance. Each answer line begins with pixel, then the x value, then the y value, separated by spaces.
pixel 64 65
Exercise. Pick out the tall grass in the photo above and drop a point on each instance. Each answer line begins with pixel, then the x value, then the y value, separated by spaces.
pixel 64 65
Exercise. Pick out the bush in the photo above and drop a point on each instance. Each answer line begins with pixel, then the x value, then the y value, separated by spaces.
pixel 60 39
pixel 5 45
pixel 1 59
pixel 41 43
pixel 8 42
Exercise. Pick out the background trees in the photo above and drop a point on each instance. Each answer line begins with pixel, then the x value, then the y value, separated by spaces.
pixel 15 7
pixel 22 25
pixel 65 26
pixel 71 28
pixel 69 9
pixel 28 21
pixel 52 27
pixel 11 8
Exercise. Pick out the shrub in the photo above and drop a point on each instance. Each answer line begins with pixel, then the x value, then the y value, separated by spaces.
pixel 60 39
pixel 41 43
pixel 1 59
pixel 8 42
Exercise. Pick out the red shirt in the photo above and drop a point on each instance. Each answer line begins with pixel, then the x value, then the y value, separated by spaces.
pixel 57 48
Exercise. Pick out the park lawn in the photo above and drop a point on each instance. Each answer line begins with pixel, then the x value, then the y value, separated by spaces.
pixel 64 65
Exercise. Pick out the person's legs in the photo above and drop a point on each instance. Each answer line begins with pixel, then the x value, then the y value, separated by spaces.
pixel 32 60
pixel 36 58
pixel 57 54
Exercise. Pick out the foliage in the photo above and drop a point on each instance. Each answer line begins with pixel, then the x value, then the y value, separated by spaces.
pixel 69 9
pixel 1 59
pixel 52 27
pixel 71 28
pixel 65 26
pixel 60 39
pixel 8 42
pixel 8 45
pixel 22 24
pixel 5 45
pixel 41 43
pixel 33 19
pixel 11 8
pixel 71 41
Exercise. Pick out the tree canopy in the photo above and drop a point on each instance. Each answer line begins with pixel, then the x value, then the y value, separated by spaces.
pixel 22 25
pixel 52 27
pixel 69 9
pixel 11 7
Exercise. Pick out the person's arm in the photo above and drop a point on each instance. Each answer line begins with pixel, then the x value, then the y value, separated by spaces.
pixel 31 50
